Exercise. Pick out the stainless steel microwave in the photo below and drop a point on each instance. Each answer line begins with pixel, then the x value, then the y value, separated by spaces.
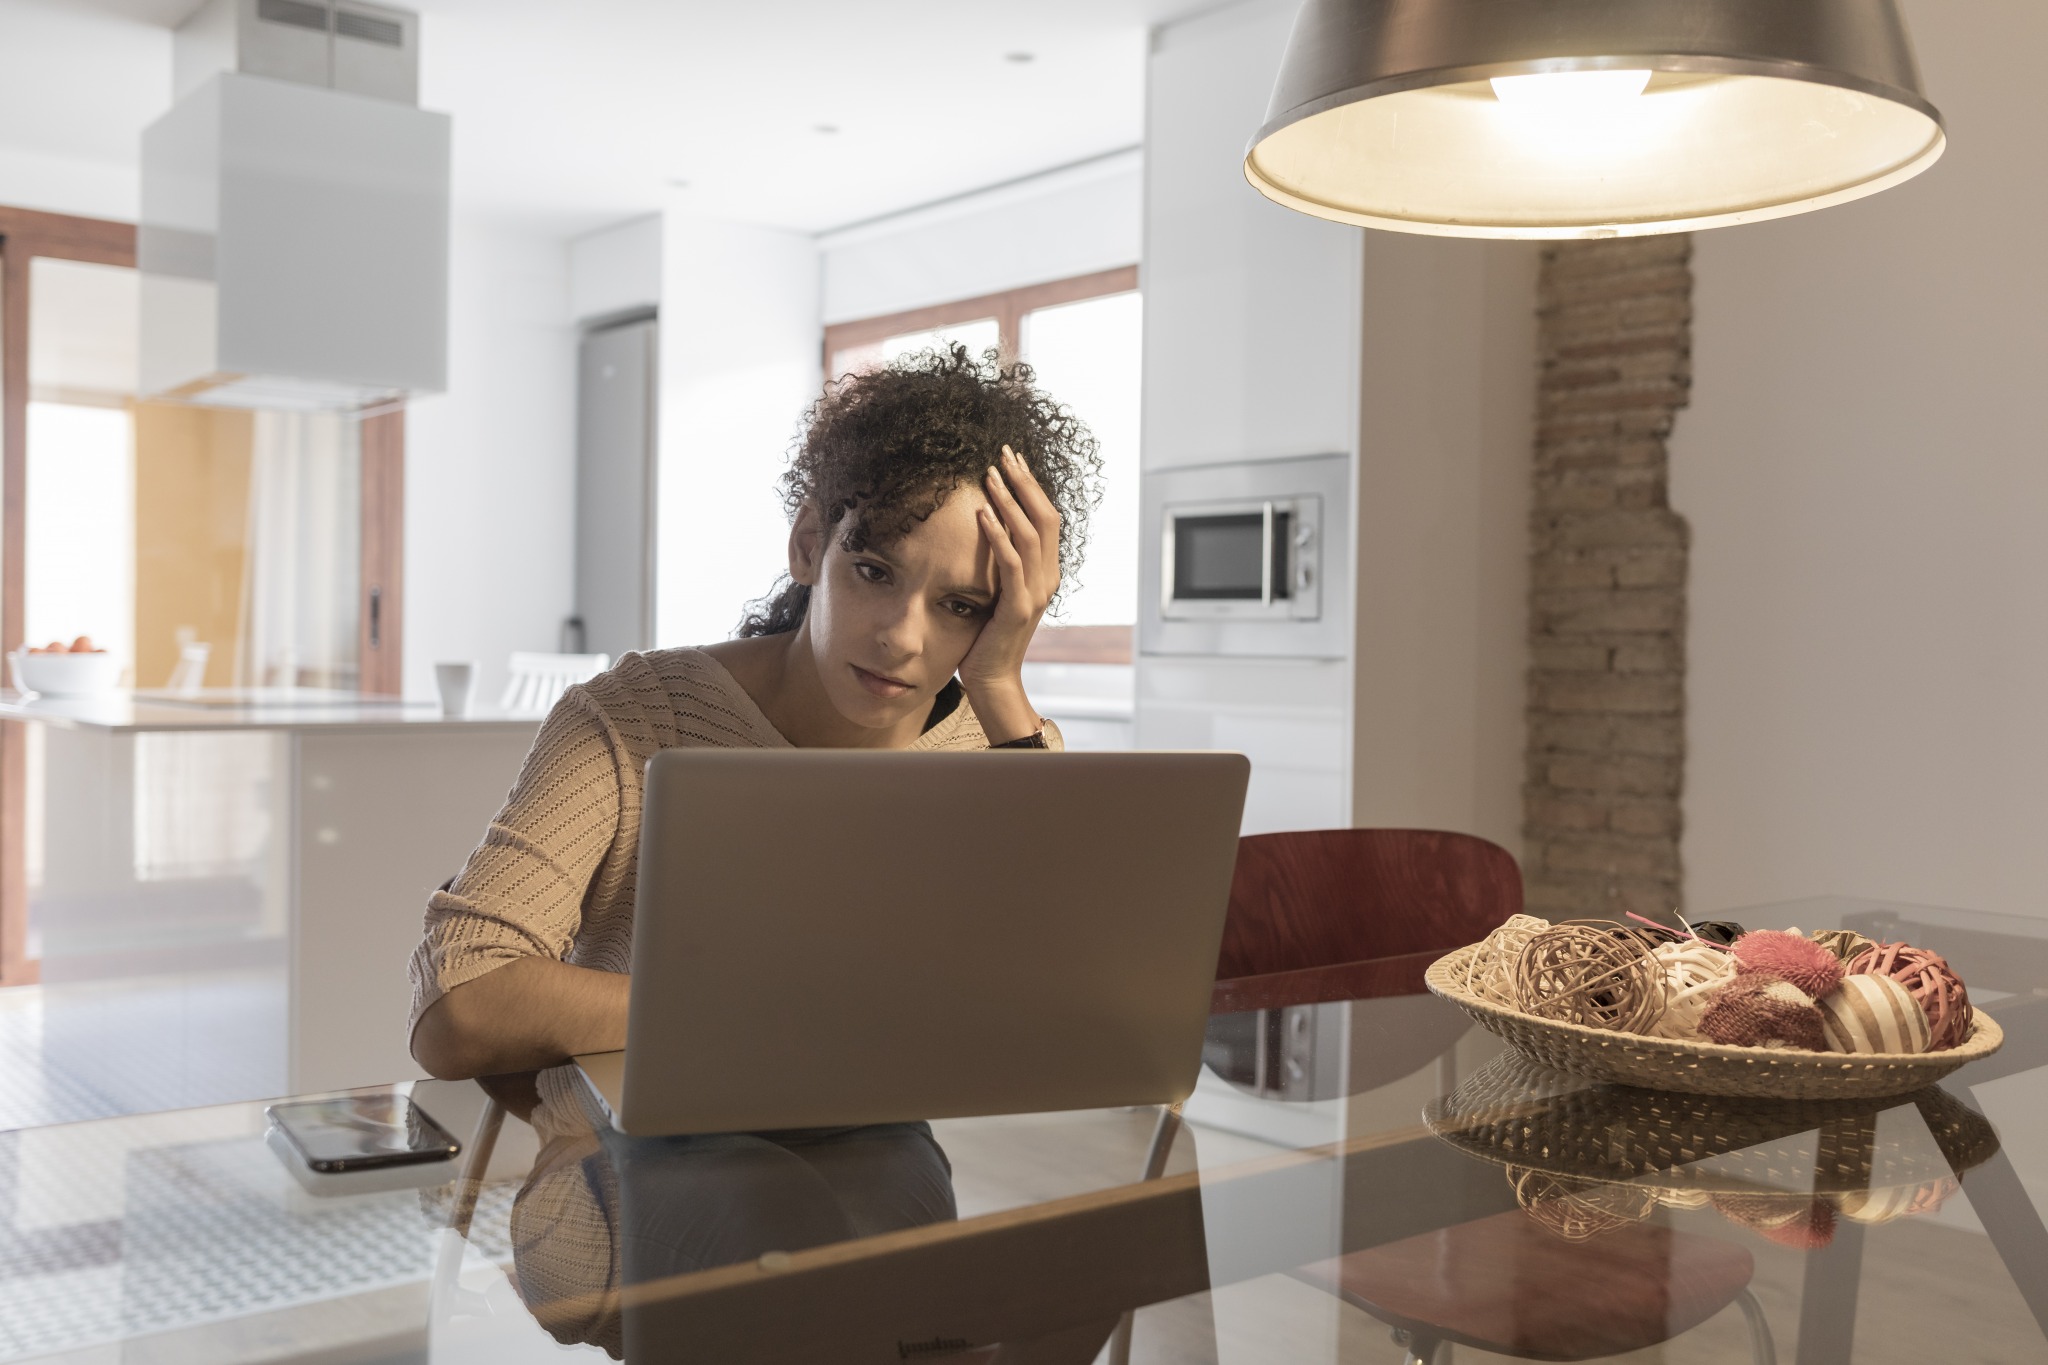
pixel 1242 561
pixel 1248 558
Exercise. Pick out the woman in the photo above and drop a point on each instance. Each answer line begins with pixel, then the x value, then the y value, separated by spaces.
pixel 933 505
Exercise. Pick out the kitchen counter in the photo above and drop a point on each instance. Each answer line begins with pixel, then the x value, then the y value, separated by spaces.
pixel 225 886
pixel 297 708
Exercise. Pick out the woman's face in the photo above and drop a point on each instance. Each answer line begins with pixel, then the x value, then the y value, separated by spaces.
pixel 889 624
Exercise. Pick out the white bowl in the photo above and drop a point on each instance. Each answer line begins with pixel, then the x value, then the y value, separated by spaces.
pixel 65 675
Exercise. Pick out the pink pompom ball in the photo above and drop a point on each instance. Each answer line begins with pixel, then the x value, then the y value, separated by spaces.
pixel 1801 961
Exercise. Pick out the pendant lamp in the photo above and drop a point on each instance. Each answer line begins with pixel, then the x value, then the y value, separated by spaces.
pixel 1590 118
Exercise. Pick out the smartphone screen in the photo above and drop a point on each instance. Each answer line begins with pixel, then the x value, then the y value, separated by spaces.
pixel 358 1132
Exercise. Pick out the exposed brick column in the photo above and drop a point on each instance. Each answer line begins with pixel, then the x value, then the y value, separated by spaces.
pixel 1607 581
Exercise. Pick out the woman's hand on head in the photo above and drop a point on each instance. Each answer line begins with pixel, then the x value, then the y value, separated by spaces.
pixel 1022 528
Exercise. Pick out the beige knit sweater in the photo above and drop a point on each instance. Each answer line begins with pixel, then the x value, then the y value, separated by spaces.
pixel 554 875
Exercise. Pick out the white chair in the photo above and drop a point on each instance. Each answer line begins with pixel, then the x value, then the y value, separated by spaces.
pixel 190 673
pixel 539 680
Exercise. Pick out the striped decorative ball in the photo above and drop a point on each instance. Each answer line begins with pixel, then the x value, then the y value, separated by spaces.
pixel 1873 1014
pixel 1875 1206
pixel 1886 1205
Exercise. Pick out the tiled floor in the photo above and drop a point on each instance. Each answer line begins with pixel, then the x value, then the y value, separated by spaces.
pixel 30 1093
pixel 99 1049
pixel 73 1273
pixel 161 1225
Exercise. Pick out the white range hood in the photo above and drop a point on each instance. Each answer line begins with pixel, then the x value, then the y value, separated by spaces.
pixel 294 237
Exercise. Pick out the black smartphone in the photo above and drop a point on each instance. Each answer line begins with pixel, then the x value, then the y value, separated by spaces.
pixel 362 1132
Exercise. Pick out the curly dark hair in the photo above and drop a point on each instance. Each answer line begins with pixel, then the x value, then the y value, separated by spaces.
pixel 883 449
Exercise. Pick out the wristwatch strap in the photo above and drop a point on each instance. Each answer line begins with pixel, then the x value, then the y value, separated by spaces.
pixel 1034 740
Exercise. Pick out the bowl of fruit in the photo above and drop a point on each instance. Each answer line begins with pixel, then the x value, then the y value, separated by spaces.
pixel 79 669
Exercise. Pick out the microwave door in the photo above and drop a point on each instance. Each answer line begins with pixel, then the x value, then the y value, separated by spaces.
pixel 1227 561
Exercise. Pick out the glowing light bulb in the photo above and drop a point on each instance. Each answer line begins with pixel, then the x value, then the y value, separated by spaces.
pixel 1570 91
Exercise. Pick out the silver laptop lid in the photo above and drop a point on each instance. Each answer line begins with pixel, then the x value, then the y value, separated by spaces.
pixel 834 937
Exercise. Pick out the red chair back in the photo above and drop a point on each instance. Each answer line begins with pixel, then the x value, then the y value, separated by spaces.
pixel 1314 898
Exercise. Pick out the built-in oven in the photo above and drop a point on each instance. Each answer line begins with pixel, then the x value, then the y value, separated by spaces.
pixel 1247 558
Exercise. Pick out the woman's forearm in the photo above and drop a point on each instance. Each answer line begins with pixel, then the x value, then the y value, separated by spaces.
pixel 529 1014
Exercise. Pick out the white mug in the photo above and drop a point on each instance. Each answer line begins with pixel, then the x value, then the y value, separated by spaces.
pixel 457 682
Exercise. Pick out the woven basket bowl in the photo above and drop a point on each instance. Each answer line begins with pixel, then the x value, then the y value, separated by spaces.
pixel 1516 1112
pixel 1708 1068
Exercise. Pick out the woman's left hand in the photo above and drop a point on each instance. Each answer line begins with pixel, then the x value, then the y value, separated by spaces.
pixel 1023 530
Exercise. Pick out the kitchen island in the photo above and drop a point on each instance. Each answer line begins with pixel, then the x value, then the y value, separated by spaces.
pixel 224 886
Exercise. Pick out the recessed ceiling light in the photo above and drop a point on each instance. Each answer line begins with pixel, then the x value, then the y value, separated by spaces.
pixel 825 127
pixel 1020 57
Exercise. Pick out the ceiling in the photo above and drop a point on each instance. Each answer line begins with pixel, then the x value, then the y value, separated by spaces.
pixel 569 116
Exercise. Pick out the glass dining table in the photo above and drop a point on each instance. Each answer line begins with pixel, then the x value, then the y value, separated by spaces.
pixel 1365 1177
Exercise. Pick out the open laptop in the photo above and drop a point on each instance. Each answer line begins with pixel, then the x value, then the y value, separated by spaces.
pixel 827 937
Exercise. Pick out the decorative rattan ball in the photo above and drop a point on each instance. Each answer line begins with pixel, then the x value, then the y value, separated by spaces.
pixel 1843 943
pixel 1580 972
pixel 1579 1210
pixel 1942 996
pixel 1490 972
pixel 1691 971
pixel 1801 961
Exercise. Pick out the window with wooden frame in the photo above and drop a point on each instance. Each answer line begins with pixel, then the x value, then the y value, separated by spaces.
pixel 1082 337
pixel 145 552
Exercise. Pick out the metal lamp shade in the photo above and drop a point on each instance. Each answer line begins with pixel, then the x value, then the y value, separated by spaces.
pixel 1387 113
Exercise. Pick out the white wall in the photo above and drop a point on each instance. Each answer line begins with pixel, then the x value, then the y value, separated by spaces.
pixel 490 472
pixel 1071 221
pixel 615 269
pixel 76 87
pixel 740 362
pixel 1446 413
pixel 1863 466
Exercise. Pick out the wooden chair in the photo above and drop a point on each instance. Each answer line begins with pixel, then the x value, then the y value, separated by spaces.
pixel 1349 914
pixel 1314 913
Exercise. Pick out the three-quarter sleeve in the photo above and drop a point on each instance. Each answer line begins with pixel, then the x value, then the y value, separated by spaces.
pixel 521 893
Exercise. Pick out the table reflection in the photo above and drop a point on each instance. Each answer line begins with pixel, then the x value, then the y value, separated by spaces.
pixel 1583 1156
pixel 602 1210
